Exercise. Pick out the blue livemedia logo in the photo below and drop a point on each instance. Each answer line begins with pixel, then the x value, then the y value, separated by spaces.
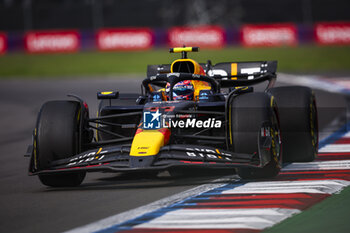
pixel 151 120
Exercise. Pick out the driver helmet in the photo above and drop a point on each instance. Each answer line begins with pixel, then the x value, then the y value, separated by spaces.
pixel 183 90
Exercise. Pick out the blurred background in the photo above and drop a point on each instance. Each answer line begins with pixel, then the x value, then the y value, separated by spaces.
pixel 21 15
pixel 50 48
pixel 78 31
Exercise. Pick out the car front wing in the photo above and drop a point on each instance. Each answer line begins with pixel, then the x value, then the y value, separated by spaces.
pixel 117 159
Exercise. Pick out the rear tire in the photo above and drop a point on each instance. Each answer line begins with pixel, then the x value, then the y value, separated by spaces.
pixel 299 125
pixel 58 137
pixel 248 113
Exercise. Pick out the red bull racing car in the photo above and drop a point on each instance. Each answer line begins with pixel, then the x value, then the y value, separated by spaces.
pixel 188 115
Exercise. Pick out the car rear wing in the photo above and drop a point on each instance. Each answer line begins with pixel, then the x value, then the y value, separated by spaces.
pixel 230 74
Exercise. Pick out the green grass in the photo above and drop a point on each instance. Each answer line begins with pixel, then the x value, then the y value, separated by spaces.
pixel 290 59
pixel 330 216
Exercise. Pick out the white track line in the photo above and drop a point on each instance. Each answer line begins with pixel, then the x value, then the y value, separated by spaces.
pixel 131 214
pixel 312 186
pixel 318 166
pixel 335 148
pixel 220 218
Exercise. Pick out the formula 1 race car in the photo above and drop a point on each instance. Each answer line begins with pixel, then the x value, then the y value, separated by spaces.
pixel 188 115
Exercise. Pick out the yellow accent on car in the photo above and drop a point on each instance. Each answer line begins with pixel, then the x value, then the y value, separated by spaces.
pixel 146 143
pixel 272 101
pixel 106 92
pixel 242 88
pixel 183 49
pixel 198 86
pixel 78 117
pixel 99 151
pixel 233 71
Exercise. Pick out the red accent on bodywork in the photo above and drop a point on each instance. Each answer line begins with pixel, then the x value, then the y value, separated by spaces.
pixel 139 130
pixel 166 132
pixel 97 165
pixel 86 106
pixel 169 108
pixel 183 161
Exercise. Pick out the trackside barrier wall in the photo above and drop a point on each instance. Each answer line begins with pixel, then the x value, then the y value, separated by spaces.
pixel 269 35
pixel 52 41
pixel 121 39
pixel 3 43
pixel 333 33
pixel 204 36
pixel 125 39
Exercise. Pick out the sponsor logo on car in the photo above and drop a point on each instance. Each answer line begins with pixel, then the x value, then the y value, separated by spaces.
pixel 207 153
pixel 152 120
pixel 157 120
pixel 88 157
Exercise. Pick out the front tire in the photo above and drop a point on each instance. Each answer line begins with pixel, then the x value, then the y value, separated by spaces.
pixel 58 136
pixel 248 113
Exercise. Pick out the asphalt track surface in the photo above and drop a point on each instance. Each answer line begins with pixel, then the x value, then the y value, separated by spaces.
pixel 27 206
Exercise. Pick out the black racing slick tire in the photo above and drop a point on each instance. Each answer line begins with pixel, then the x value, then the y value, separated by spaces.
pixel 57 137
pixel 298 120
pixel 248 113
